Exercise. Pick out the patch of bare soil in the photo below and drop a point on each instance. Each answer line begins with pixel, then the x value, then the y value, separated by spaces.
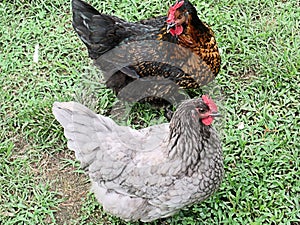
pixel 71 186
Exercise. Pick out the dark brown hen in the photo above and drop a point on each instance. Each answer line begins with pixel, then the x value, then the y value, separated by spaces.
pixel 149 173
pixel 179 46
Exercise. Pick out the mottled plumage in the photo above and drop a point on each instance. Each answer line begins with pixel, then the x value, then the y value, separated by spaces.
pixel 149 173
pixel 198 59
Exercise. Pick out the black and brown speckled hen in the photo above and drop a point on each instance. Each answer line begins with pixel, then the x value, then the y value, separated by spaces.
pixel 149 173
pixel 197 53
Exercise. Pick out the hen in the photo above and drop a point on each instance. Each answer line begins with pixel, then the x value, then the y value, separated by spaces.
pixel 149 173
pixel 179 46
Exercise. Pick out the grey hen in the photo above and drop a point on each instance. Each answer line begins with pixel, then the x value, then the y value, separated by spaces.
pixel 149 173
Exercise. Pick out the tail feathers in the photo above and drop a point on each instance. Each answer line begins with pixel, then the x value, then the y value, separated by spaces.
pixel 69 112
pixel 99 32
pixel 84 129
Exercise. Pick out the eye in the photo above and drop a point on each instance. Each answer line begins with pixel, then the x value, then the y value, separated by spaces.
pixel 179 16
pixel 201 110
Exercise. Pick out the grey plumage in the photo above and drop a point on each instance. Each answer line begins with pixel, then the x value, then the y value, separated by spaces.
pixel 149 173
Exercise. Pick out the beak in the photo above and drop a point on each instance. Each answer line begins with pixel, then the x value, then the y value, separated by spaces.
pixel 215 114
pixel 170 25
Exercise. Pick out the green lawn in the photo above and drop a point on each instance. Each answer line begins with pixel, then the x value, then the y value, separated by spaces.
pixel 40 181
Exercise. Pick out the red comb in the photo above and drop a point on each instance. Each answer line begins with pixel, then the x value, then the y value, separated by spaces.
pixel 210 103
pixel 172 11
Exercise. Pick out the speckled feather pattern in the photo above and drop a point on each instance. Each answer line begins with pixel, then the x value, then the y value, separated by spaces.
pixel 149 173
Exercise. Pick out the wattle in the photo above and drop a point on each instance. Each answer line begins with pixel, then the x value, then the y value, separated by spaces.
pixel 207 121
pixel 177 31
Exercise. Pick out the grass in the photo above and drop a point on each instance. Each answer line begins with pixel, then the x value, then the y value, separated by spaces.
pixel 41 183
